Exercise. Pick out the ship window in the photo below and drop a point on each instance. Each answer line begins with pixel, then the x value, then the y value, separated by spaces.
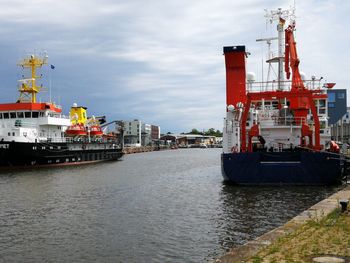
pixel 35 114
pixel 6 115
pixel 0 115
pixel 9 133
pixel 13 115
pixel 20 114
pixel 13 134
pixel 341 95
pixel 27 114
pixel 322 103
pixel 41 114
pixel 322 111
pixel 331 97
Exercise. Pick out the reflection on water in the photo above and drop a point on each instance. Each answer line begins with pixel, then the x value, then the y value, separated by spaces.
pixel 169 206
pixel 247 212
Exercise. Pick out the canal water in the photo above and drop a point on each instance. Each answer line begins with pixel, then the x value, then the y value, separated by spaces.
pixel 168 206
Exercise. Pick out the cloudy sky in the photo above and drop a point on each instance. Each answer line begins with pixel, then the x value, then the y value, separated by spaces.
pixel 159 60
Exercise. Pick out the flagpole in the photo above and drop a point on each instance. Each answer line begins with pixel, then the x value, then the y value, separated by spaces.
pixel 50 84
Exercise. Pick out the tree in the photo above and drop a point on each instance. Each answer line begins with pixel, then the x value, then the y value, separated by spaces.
pixel 218 133
pixel 212 132
pixel 195 131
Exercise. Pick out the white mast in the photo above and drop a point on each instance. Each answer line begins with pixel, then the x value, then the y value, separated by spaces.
pixel 281 16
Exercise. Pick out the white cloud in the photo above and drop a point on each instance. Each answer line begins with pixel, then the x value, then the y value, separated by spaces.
pixel 162 61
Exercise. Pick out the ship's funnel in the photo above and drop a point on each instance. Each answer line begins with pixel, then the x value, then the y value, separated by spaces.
pixel 235 74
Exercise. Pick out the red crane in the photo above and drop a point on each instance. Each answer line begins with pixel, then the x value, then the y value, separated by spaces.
pixel 304 101
pixel 300 98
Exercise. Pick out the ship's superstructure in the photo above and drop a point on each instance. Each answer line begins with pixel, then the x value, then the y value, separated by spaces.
pixel 276 131
pixel 36 133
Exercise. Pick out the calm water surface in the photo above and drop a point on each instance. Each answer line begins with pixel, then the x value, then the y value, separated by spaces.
pixel 168 206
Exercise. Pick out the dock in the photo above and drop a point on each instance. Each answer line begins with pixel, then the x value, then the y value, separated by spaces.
pixel 316 213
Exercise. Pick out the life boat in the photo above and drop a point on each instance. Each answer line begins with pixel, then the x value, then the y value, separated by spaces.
pixel 95 130
pixel 76 130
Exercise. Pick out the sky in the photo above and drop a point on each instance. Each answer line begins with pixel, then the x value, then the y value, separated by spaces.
pixel 159 61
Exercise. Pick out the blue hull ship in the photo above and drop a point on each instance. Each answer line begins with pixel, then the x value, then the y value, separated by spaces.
pixel 276 130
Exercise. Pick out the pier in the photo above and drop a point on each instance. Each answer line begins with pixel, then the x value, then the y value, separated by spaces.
pixel 259 249
pixel 130 150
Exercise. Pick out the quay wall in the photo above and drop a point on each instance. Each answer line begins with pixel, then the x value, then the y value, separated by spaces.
pixel 317 211
pixel 130 150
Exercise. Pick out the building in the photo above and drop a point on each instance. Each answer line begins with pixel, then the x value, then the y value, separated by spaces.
pixel 341 129
pixel 146 138
pixel 191 140
pixel 138 134
pixel 339 115
pixel 168 139
pixel 155 132
pixel 132 133
pixel 336 104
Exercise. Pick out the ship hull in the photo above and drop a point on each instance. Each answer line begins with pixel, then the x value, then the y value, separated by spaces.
pixel 17 154
pixel 282 168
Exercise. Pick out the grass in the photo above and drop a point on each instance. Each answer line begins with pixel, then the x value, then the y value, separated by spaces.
pixel 328 236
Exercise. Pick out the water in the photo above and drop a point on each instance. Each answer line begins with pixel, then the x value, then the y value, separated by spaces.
pixel 168 206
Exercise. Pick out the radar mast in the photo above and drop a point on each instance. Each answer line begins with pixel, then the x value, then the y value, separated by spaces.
pixel 28 87
pixel 281 16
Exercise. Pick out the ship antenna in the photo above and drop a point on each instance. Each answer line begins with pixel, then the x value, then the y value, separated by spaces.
pixel 280 16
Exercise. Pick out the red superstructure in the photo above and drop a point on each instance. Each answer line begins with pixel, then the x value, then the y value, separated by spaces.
pixel 300 99
pixel 29 106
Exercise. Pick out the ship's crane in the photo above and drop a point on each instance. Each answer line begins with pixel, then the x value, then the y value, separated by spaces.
pixel 301 99
pixel 291 59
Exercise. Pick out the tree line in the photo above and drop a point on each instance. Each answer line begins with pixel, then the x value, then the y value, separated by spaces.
pixel 210 132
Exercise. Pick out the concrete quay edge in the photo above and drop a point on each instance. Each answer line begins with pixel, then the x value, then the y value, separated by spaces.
pixel 242 253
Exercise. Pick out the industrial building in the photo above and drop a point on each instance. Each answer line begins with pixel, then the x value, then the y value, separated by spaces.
pixel 336 104
pixel 137 134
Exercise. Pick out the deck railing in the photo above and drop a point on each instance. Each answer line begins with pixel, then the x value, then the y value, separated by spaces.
pixel 275 85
